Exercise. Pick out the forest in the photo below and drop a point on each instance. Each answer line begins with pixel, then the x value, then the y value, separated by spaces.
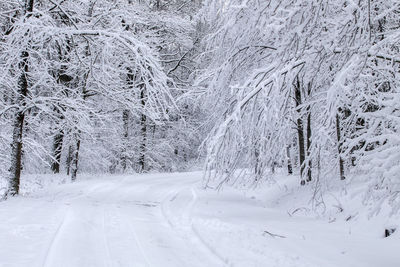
pixel 299 94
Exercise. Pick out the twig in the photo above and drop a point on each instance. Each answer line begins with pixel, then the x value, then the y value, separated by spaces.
pixel 274 235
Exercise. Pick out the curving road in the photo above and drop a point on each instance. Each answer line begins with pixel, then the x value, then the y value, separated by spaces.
pixel 165 220
pixel 124 221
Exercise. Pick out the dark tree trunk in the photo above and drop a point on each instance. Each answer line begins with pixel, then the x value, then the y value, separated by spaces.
pixel 143 130
pixel 300 131
pixel 75 158
pixel 289 162
pixel 57 147
pixel 75 151
pixel 62 79
pixel 16 154
pixel 339 145
pixel 130 80
pixel 309 161
pixel 77 138
pixel 257 166
pixel 69 159
pixel 125 119
pixel 18 125
pixel 273 167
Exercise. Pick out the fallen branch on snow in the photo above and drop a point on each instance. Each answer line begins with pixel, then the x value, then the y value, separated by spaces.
pixel 274 235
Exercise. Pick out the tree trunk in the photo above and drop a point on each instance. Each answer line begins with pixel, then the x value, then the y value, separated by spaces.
pixel 16 155
pixel 309 161
pixel 339 145
pixel 69 159
pixel 63 79
pixel 75 158
pixel 289 162
pixel 125 119
pixel 18 125
pixel 57 147
pixel 143 130
pixel 257 166
pixel 77 138
pixel 300 131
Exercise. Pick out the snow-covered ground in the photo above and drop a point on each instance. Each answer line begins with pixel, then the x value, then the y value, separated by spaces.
pixel 167 220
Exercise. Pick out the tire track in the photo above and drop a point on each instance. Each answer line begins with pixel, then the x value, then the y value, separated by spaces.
pixel 188 215
pixel 105 241
pixel 72 201
pixel 50 248
pixel 133 233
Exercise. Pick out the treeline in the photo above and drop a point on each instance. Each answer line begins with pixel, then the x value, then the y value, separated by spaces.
pixel 118 86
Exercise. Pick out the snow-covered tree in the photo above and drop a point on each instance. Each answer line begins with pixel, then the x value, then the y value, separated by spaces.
pixel 313 81
pixel 64 70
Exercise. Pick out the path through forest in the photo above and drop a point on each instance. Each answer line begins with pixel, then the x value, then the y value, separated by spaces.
pixel 166 220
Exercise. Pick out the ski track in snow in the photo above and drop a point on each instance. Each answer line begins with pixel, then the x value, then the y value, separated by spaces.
pixel 114 223
pixel 187 219
pixel 50 247
pixel 165 220
pixel 139 244
pixel 196 233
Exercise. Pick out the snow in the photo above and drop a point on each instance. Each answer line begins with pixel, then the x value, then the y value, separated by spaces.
pixel 168 220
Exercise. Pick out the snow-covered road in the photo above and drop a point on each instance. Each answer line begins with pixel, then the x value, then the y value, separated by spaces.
pixel 115 222
pixel 167 221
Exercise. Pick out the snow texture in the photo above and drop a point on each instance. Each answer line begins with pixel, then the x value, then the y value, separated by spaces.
pixel 168 220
